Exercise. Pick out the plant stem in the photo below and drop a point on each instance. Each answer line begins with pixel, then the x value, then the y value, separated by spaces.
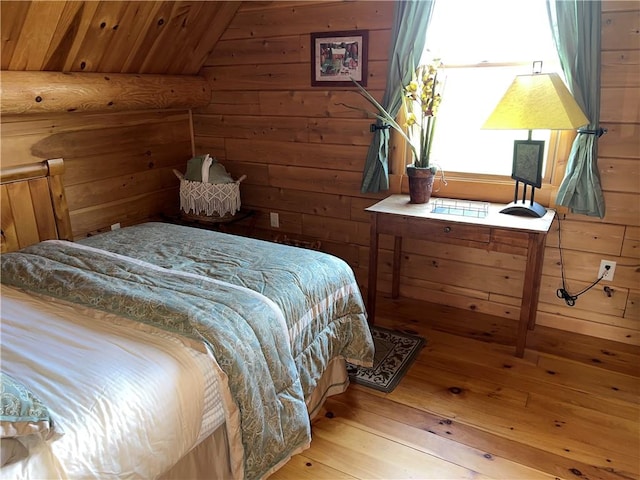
pixel 431 128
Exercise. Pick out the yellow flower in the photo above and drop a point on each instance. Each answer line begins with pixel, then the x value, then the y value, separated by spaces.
pixel 423 96
pixel 420 99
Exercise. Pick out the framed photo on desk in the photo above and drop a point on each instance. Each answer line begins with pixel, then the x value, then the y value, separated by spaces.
pixel 527 162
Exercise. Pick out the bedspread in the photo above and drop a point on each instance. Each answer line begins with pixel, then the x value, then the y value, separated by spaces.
pixel 128 377
pixel 317 292
pixel 243 330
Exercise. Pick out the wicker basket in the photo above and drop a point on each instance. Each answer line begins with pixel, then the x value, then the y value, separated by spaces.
pixel 208 202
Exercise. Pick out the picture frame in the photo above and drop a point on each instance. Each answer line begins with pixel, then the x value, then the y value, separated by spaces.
pixel 336 57
pixel 527 162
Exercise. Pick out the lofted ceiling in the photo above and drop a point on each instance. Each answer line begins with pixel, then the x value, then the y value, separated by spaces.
pixel 139 37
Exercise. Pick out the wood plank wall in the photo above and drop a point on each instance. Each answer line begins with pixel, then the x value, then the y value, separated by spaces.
pixel 303 155
pixel 586 240
pixel 118 166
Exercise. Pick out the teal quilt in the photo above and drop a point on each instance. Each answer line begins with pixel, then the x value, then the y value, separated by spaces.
pixel 245 333
pixel 274 316
pixel 317 292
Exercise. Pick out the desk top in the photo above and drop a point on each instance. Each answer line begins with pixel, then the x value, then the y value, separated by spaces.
pixel 399 205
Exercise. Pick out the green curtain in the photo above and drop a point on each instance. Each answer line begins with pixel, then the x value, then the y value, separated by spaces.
pixel 411 19
pixel 576 30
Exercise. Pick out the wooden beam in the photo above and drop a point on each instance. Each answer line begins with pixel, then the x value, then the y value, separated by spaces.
pixel 40 92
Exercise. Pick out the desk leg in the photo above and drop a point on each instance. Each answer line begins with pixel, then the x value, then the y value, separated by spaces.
pixel 395 274
pixel 373 270
pixel 530 290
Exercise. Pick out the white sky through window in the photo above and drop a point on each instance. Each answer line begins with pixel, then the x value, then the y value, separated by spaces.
pixel 496 31
pixel 475 39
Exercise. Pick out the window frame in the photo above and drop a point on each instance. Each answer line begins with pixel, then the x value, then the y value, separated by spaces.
pixel 487 187
pixel 482 187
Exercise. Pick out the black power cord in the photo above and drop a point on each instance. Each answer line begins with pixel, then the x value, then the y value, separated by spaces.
pixel 563 292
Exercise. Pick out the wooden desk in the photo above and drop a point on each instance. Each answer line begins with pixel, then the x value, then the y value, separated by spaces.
pixel 495 232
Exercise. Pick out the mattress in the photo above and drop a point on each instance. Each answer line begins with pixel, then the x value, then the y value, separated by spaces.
pixel 58 349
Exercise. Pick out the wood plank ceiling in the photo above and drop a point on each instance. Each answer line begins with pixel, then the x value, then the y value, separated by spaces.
pixel 111 36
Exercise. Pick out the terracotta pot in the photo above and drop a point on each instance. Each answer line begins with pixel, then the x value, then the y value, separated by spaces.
pixel 420 184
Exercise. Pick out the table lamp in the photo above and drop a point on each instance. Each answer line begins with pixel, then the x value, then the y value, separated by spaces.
pixel 533 102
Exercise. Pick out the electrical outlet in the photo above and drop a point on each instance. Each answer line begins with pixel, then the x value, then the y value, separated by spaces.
pixel 115 226
pixel 275 219
pixel 607 274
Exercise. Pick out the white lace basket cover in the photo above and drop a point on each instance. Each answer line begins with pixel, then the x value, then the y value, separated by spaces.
pixel 209 199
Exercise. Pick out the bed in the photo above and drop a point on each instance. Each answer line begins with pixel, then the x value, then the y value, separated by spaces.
pixel 162 351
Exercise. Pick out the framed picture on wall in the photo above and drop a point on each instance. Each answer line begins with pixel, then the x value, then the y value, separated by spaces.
pixel 527 162
pixel 336 57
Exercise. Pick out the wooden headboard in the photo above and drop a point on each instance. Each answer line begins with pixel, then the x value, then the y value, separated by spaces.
pixel 33 205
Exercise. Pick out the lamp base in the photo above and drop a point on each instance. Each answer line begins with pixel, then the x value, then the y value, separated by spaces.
pixel 525 209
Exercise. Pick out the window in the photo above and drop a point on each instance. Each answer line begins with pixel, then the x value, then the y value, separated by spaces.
pixel 484 45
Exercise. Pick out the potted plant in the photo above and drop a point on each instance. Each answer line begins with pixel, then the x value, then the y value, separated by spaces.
pixel 421 98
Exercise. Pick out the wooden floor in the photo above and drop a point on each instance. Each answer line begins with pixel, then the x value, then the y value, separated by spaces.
pixel 469 409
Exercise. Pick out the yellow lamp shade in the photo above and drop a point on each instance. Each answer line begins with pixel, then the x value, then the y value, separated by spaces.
pixel 537 102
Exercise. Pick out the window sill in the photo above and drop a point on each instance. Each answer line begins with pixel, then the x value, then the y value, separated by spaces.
pixel 497 191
